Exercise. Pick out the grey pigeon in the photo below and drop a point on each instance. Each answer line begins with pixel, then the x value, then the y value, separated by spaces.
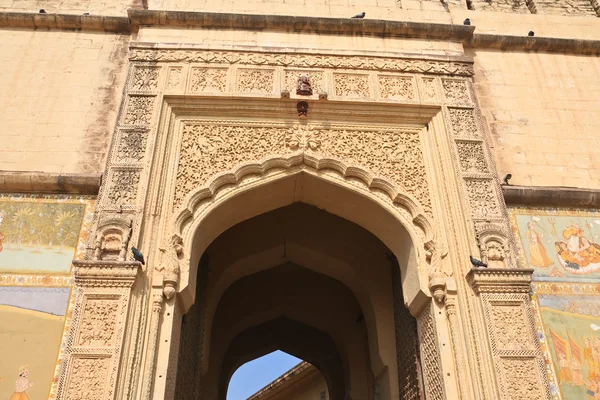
pixel 361 15
pixel 467 22
pixel 137 255
pixel 477 263
pixel 42 11
pixel 531 33
pixel 507 178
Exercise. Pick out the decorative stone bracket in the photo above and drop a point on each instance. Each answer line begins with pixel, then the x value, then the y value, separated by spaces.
pixel 516 352
pixel 93 348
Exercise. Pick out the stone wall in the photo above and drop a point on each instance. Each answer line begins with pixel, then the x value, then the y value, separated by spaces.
pixel 61 92
pixel 541 111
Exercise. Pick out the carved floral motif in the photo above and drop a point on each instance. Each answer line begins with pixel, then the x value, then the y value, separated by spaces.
pixel 394 154
pixel 482 197
pixel 471 157
pixel 209 149
pixel 98 323
pixel 463 122
pixel 396 87
pixel 305 137
pixel 208 79
pixel 351 85
pixel 255 80
pixel 88 379
pixel 139 110
pixel 510 328
pixel 521 379
pixel 306 61
pixel 456 91
pixel 124 186
pixel 145 79
pixel 132 145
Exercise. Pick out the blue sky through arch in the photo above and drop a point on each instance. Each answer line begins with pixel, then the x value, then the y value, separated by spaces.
pixel 254 375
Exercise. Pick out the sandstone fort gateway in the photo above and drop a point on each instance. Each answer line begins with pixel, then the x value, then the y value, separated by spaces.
pixel 404 194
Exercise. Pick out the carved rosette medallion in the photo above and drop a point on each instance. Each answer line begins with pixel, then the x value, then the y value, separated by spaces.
pixel 303 137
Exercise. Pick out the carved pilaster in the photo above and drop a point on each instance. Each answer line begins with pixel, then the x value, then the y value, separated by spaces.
pixel 93 348
pixel 157 305
pixel 457 347
pixel 518 360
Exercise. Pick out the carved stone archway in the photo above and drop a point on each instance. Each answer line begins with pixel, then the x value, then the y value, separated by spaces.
pixel 401 133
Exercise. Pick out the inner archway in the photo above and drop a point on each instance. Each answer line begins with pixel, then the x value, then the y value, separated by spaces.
pixel 307 282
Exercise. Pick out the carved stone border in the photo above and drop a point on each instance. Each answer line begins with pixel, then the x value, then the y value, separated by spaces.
pixel 94 344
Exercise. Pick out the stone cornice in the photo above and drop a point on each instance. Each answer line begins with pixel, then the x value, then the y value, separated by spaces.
pixel 65 21
pixel 500 280
pixel 526 43
pixel 339 26
pixel 551 196
pixel 44 182
pixel 105 273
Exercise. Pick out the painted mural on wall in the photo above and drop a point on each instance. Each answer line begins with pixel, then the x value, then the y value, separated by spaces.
pixel 39 238
pixel 33 320
pixel 569 330
pixel 559 244
pixel 40 234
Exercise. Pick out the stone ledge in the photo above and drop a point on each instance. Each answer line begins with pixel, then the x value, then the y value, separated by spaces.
pixel 500 280
pixel 255 22
pixel 65 21
pixel 526 43
pixel 43 182
pixel 551 196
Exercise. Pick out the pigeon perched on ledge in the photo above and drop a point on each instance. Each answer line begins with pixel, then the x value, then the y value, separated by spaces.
pixel 477 263
pixel 467 22
pixel 507 178
pixel 361 15
pixel 137 255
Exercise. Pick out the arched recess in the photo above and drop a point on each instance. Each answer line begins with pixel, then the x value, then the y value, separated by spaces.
pixel 350 192
pixel 292 337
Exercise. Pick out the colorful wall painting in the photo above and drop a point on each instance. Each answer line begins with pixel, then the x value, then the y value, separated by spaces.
pixel 569 330
pixel 41 234
pixel 559 244
pixel 33 321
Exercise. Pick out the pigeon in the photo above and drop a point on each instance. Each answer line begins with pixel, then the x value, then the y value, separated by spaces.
pixel 137 255
pixel 507 178
pixel 477 263
pixel 531 33
pixel 467 22
pixel 42 11
pixel 361 15
pixel 86 13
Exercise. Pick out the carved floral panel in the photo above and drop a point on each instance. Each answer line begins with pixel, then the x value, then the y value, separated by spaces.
pixel 98 323
pixel 456 91
pixel 397 87
pixel 209 149
pixel 132 145
pixel 511 330
pixel 482 197
pixel 145 79
pixel 255 80
pixel 175 78
pixel 124 186
pixel 88 378
pixel 351 85
pixel 520 376
pixel 208 79
pixel 463 122
pixel 471 157
pixel 429 89
pixel 139 110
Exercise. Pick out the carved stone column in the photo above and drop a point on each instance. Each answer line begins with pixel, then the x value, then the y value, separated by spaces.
pixel 93 348
pixel 518 361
